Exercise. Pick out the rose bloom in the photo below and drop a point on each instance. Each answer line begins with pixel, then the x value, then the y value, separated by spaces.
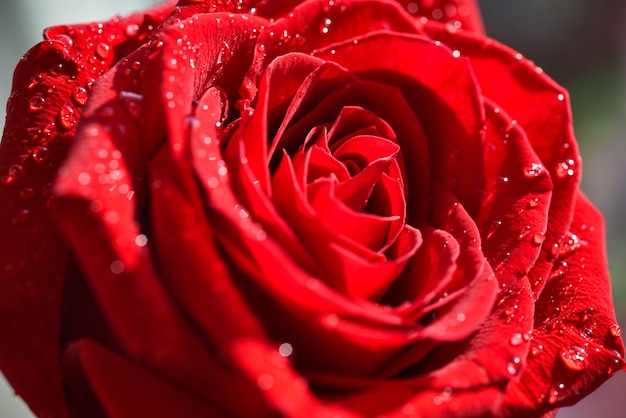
pixel 326 208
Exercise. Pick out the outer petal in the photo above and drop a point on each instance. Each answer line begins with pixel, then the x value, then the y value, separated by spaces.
pixel 50 86
pixel 548 125
pixel 576 342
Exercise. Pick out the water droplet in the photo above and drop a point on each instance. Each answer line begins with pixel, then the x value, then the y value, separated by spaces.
pixel 493 228
pixel 615 330
pixel 513 367
pixel 560 97
pixel 79 95
pixel 66 40
pixel 524 232
pixel 568 244
pixel 67 116
pixel 325 26
pixel 332 320
pixel 533 203
pixel 565 169
pixel 141 240
pixel 37 103
pixel 412 8
pixel 445 397
pixel 117 267
pixel 516 339
pixel 102 50
pixel 285 349
pixel 533 170
pixel 535 350
pixel 437 14
pixel 40 154
pixel 265 382
pixel 84 178
pixel 456 53
pixel 574 358
pixel 538 239
pixel 554 395
pixel 96 206
pixel 111 217
pixel 461 317
pixel 131 30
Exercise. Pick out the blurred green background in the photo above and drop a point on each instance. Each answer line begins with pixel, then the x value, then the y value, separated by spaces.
pixel 579 43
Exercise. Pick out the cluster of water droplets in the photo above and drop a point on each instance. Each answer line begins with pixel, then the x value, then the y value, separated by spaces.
pixel 84 52
pixel 451 13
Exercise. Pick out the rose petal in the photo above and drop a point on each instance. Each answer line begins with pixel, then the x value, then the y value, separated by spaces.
pixel 101 383
pixel 548 126
pixel 444 95
pixel 201 282
pixel 311 24
pixel 50 86
pixel 184 74
pixel 408 399
pixel 576 343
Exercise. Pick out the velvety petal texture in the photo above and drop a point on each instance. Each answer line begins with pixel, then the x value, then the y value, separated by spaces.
pixel 344 208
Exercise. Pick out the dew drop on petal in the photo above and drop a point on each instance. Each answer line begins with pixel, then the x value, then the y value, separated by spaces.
pixel 131 30
pixel 102 50
pixel 285 349
pixel 84 178
pixel 538 239
pixel 40 154
pixel 79 95
pixel 117 267
pixel 265 382
pixel 37 103
pixel 67 116
pixel 533 170
pixel 524 232
pixel 141 240
pixel 535 350
pixel 516 339
pixel 493 229
pixel 565 169
pixel 533 203
pixel 332 320
pixel 615 330
pixel 574 358
pixel 513 367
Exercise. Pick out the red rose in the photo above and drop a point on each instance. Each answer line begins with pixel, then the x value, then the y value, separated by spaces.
pixel 320 208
